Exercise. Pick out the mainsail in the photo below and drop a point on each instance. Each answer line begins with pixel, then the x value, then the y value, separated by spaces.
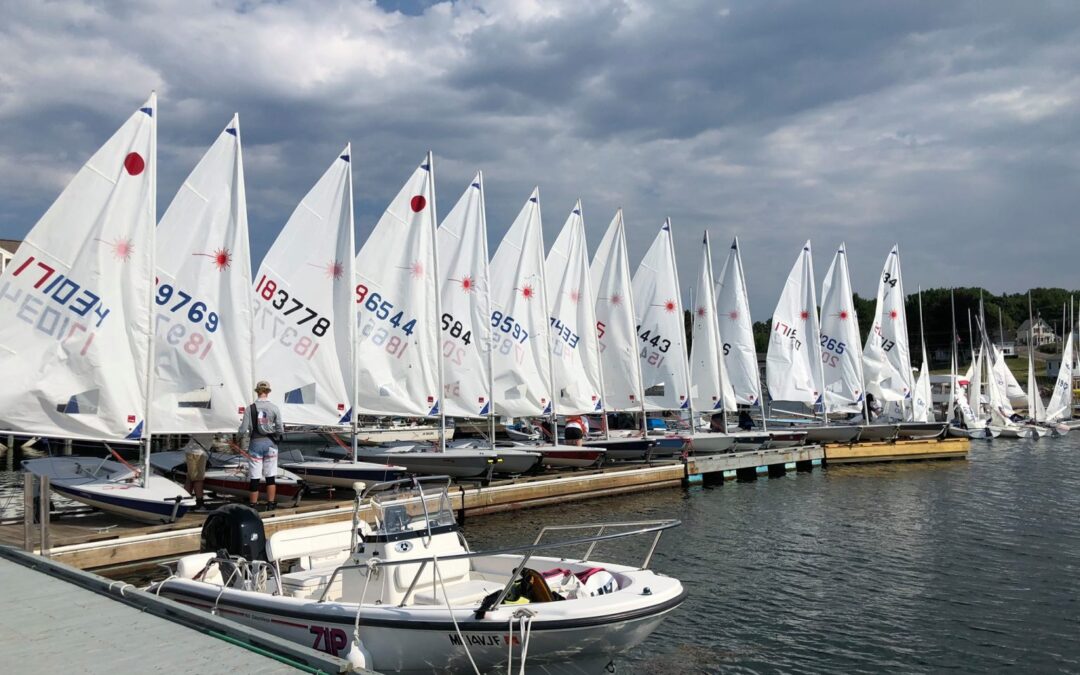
pixel 203 349
pixel 737 330
pixel 709 386
pixel 466 312
pixel 886 356
pixel 397 318
pixel 304 304
pixel 1061 401
pixel 793 364
pixel 575 352
pixel 841 345
pixel 521 357
pixel 615 321
pixel 660 327
pixel 78 298
pixel 922 404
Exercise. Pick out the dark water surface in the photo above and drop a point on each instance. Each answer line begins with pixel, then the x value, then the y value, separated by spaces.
pixel 919 567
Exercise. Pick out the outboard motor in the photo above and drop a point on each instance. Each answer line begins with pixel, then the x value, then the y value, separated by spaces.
pixel 235 529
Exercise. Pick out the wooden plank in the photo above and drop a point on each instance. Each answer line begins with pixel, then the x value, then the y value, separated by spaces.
pixel 900 451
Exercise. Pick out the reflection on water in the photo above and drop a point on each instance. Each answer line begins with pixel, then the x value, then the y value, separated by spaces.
pixel 920 567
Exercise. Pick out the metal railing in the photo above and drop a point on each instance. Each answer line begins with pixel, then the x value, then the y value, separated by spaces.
pixel 642 527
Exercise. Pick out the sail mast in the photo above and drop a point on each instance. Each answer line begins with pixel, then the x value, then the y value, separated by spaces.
pixel 147 433
pixel 351 264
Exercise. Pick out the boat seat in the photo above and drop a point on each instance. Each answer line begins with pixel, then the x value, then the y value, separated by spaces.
pixel 309 584
pixel 460 593
pixel 315 546
pixel 450 571
pixel 191 565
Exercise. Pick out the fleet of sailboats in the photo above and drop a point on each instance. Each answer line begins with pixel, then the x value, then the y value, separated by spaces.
pixel 119 329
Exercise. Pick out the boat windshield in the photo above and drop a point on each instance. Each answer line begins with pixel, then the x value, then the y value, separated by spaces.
pixel 408 511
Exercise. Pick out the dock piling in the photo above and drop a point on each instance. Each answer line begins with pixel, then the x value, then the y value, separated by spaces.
pixel 43 515
pixel 28 512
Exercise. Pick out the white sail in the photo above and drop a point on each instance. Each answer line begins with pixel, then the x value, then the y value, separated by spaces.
pixel 998 388
pixel 886 356
pixel 737 330
pixel 975 386
pixel 575 353
pixel 922 402
pixel 615 320
pixel 793 364
pixel 841 344
pixel 1061 401
pixel 1036 411
pixel 709 385
pixel 77 298
pixel 203 349
pixel 397 319
pixel 519 318
pixel 660 327
pixel 466 312
pixel 304 304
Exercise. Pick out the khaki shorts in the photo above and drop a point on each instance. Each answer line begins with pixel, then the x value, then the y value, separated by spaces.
pixel 196 466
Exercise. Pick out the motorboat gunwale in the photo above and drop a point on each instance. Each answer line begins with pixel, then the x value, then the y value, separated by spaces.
pixel 604 623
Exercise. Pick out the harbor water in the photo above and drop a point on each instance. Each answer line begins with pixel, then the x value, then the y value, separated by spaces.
pixel 957 566
pixel 961 566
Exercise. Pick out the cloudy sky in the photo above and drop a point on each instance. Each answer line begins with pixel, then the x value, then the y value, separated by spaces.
pixel 948 127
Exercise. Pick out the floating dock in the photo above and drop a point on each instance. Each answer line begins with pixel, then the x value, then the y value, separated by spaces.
pixel 100 542
pixel 58 619
pixel 900 451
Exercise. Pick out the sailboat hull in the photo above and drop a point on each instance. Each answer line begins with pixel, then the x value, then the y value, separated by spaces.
pixel 834 434
pixel 870 433
pixel 919 431
pixel 112 488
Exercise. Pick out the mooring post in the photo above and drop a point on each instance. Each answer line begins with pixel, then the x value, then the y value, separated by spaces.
pixel 28 512
pixel 43 517
pixel 10 452
pixel 67 447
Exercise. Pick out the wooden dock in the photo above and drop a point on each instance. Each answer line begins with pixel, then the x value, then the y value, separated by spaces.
pixel 900 451
pixel 57 619
pixel 101 542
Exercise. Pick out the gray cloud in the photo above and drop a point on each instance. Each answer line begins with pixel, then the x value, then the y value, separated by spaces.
pixel 947 127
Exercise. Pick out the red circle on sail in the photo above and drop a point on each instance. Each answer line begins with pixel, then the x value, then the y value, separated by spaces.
pixel 134 163
pixel 418 203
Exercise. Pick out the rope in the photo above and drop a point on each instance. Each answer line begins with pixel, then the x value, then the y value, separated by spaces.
pixel 446 598
pixel 234 446
pixel 526 633
pixel 372 565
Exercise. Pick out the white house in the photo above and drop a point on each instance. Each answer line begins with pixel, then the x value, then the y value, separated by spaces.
pixel 1041 333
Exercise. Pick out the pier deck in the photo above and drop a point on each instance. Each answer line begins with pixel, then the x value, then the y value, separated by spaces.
pixel 57 620
pixel 99 541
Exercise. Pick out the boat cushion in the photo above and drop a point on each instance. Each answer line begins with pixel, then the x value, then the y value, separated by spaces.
pixel 309 584
pixel 460 593
pixel 191 565
pixel 312 544
pixel 450 571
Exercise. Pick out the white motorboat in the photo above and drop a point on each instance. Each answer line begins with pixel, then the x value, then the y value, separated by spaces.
pixel 227 475
pixel 338 472
pixel 113 487
pixel 408 595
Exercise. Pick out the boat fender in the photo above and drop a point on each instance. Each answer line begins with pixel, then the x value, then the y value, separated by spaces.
pixel 358 657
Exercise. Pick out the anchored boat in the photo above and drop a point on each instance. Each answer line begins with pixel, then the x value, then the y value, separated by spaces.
pixel 408 595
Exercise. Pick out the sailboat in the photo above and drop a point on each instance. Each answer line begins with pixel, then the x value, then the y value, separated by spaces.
pixel 710 390
pixel 841 354
pixel 922 424
pixel 522 331
pixel 1036 411
pixel 77 342
pixel 1059 409
pixel 617 338
pixel 1000 408
pixel 304 327
pixel 964 421
pixel 203 353
pixel 739 351
pixel 466 327
pixel 793 364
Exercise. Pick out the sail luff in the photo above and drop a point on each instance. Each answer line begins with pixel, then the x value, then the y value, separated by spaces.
pixel 151 244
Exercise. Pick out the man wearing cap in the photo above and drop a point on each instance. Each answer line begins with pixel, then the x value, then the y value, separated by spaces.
pixel 258 432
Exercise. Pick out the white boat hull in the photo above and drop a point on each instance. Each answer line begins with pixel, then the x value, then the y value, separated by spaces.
pixel 114 489
pixel 423 639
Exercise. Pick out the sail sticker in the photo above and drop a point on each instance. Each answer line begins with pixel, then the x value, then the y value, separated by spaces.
pixel 527 292
pixel 148 111
pixel 418 203
pixel 121 248
pixel 575 295
pixel 344 157
pixel 333 269
pixel 134 163
pixel 222 258
pixel 231 131
pixel 467 284
pixel 669 306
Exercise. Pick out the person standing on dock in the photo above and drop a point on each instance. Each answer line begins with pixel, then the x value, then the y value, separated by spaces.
pixel 258 437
